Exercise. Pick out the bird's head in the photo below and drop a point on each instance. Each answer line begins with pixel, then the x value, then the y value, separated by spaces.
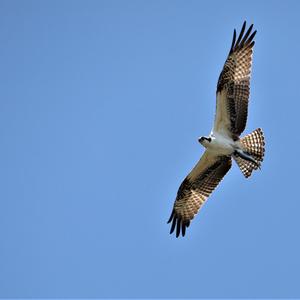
pixel 204 140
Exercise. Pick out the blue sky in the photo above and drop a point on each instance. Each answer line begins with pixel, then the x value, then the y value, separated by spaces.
pixel 101 105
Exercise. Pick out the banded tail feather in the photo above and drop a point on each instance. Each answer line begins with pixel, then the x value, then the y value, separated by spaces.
pixel 254 145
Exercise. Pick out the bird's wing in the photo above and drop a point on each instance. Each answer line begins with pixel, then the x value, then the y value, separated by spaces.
pixel 196 188
pixel 233 86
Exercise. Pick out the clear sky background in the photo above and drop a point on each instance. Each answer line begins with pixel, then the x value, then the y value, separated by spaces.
pixel 101 105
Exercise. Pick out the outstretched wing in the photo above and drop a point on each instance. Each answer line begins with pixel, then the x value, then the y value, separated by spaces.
pixel 233 87
pixel 196 188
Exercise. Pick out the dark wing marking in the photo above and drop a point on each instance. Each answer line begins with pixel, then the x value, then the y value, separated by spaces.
pixel 233 86
pixel 196 188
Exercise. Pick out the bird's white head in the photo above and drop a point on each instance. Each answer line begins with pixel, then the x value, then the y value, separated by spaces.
pixel 204 140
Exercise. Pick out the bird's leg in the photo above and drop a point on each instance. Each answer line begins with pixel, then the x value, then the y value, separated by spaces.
pixel 245 155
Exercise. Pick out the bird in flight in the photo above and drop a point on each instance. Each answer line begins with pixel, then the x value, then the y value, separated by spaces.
pixel 224 141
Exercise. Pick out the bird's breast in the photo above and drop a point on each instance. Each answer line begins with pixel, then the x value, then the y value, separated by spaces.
pixel 221 145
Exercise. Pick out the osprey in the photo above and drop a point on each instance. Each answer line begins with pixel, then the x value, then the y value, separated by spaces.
pixel 224 142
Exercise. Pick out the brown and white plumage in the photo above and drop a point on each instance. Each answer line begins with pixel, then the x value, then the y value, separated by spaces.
pixel 254 144
pixel 223 143
pixel 196 188
pixel 233 86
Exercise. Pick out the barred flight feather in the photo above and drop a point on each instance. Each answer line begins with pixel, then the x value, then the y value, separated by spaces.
pixel 233 86
pixel 192 193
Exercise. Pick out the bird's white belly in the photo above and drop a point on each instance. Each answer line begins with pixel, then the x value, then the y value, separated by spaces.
pixel 221 145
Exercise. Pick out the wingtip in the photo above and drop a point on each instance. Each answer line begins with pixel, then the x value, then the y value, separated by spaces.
pixel 244 25
pixel 178 227
pixel 233 41
pixel 173 225
pixel 244 38
pixel 241 34
pixel 178 224
pixel 183 229
pixel 171 217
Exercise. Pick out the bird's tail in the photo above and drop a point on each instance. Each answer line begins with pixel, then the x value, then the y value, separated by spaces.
pixel 252 153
